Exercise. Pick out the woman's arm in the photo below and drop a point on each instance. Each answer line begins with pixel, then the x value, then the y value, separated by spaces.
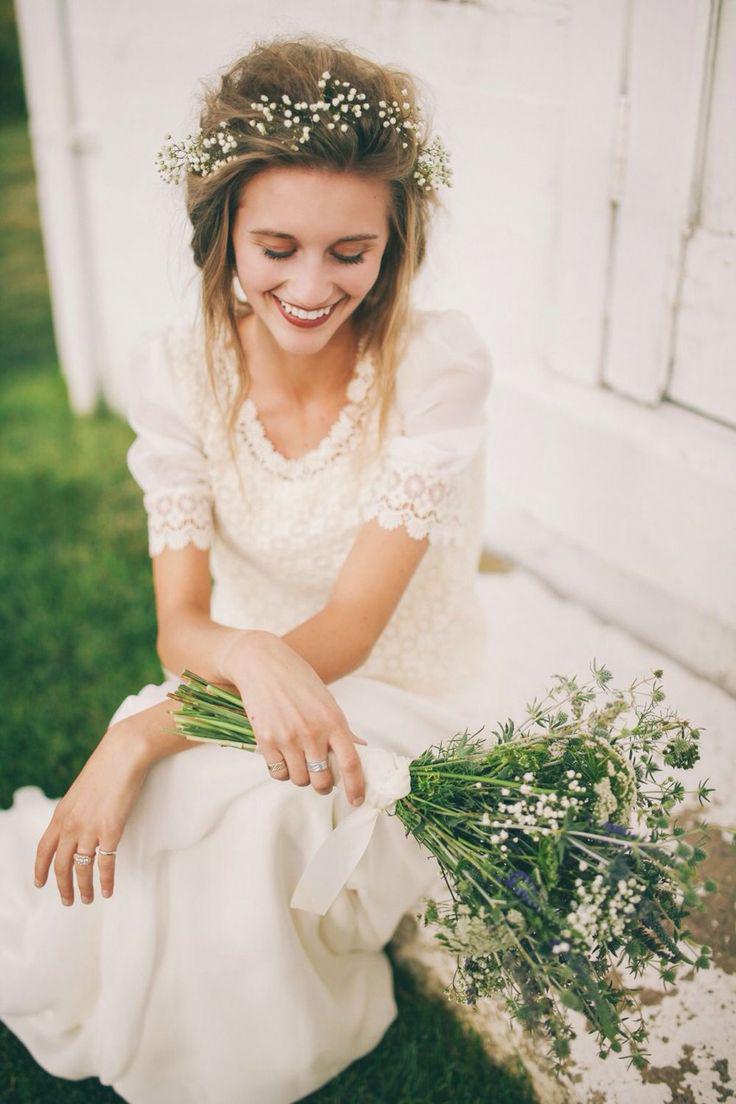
pixel 334 641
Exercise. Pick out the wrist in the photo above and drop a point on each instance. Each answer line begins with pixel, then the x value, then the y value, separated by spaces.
pixel 230 652
pixel 137 742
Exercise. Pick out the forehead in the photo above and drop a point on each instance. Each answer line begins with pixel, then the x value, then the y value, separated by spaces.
pixel 294 198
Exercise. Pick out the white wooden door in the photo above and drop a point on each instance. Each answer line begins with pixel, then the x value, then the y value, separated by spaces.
pixel 703 365
pixel 672 307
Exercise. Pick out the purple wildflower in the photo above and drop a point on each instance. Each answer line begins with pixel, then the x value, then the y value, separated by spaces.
pixel 618 830
pixel 513 880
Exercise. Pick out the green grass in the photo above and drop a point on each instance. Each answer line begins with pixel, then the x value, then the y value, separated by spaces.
pixel 77 633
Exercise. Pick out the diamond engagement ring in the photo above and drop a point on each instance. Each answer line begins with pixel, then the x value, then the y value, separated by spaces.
pixel 318 765
pixel 83 860
pixel 276 766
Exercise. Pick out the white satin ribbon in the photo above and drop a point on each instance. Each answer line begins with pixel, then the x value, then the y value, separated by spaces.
pixel 387 779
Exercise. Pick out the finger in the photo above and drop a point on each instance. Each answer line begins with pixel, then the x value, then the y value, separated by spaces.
pixel 344 720
pixel 106 866
pixel 44 854
pixel 271 754
pixel 293 753
pixel 63 868
pixel 316 751
pixel 351 768
pixel 86 845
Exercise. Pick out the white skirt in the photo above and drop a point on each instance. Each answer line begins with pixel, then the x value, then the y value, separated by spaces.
pixel 196 982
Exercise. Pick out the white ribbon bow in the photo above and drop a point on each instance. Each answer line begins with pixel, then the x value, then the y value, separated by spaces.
pixel 387 779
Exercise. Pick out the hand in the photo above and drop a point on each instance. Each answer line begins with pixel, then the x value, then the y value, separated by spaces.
pixel 294 716
pixel 94 811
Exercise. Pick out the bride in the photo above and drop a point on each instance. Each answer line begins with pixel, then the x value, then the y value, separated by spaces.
pixel 311 452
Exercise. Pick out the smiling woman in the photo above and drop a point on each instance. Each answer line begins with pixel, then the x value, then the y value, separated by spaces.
pixel 314 491
pixel 288 352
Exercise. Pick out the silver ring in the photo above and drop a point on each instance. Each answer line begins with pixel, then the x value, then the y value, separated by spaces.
pixel 83 860
pixel 319 765
pixel 100 851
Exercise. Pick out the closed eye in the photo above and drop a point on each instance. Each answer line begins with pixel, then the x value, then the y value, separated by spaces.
pixel 356 258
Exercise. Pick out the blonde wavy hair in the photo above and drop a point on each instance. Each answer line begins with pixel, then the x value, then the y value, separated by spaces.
pixel 285 65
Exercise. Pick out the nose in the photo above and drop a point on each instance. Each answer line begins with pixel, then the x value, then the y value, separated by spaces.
pixel 310 285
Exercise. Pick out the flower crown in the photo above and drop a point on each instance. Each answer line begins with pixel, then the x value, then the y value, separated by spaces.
pixel 203 154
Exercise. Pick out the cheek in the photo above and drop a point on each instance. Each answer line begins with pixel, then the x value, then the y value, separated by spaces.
pixel 360 278
pixel 258 272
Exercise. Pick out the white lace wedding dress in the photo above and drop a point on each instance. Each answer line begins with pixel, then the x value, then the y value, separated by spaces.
pixel 197 982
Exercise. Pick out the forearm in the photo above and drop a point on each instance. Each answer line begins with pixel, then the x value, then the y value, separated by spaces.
pixel 151 733
pixel 331 641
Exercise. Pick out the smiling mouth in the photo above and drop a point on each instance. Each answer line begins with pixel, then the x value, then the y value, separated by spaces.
pixel 301 316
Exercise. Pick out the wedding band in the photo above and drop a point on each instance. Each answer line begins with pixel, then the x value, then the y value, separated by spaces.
pixel 276 766
pixel 101 852
pixel 318 765
pixel 83 860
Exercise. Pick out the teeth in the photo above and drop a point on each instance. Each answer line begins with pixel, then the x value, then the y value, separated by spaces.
pixel 299 313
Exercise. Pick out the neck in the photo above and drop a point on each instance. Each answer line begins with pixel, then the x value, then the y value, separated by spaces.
pixel 301 376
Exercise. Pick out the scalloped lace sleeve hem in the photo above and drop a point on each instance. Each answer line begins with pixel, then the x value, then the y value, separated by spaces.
pixel 442 389
pixel 178 517
pixel 421 495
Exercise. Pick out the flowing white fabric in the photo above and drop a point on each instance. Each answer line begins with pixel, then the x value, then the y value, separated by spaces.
pixel 387 779
pixel 241 956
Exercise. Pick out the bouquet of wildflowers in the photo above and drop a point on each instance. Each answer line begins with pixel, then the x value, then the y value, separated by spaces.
pixel 557 847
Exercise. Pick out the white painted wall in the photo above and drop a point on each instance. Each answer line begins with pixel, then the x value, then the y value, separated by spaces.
pixel 589 232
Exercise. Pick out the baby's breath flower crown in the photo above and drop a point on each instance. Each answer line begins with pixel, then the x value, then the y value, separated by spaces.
pixel 338 105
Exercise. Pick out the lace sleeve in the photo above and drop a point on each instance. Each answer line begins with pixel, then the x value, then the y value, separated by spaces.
pixel 441 390
pixel 166 458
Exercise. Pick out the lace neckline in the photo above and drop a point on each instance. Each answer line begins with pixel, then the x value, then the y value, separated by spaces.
pixel 338 439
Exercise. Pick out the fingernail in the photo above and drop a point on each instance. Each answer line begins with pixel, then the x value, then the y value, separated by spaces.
pixel 106 893
pixel 67 900
pixel 37 883
pixel 87 900
pixel 357 801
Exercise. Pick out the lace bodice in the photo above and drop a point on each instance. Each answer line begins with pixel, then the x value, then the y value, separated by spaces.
pixel 279 529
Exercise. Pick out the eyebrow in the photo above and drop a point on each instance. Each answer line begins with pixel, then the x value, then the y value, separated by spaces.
pixel 282 234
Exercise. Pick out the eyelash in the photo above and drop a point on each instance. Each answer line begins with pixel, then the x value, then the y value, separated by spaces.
pixel 284 256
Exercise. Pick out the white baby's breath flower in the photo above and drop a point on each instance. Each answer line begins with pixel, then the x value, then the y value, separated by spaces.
pixel 193 154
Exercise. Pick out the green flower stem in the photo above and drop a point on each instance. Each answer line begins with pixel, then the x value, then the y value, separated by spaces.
pixel 614 839
pixel 591 854
pixel 213 710
pixel 221 743
pixel 485 781
pixel 215 724
pixel 215 691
